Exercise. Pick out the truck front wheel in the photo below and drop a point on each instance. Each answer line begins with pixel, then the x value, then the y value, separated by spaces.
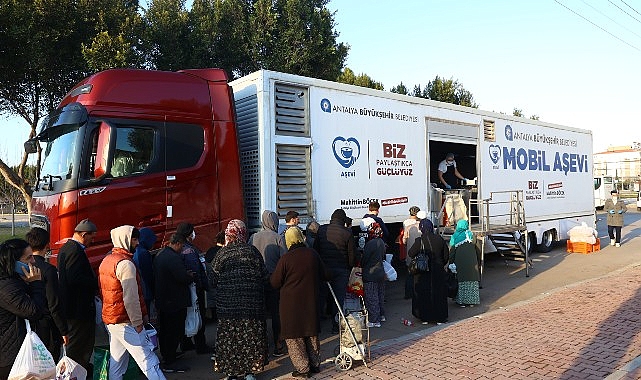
pixel 546 242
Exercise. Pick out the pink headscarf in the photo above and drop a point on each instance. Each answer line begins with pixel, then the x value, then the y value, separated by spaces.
pixel 235 231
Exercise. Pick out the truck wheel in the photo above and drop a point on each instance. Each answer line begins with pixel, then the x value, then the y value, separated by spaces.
pixel 546 242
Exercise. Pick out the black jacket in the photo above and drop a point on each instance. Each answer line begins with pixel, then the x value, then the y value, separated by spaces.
pixel 171 281
pixel 18 301
pixel 335 245
pixel 78 282
pixel 55 310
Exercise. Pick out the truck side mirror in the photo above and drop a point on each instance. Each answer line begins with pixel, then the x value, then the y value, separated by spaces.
pixel 31 146
pixel 106 138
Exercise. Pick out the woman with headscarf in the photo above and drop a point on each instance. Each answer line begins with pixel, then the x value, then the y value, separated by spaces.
pixel 239 276
pixel 429 302
pixel 464 255
pixel 298 275
pixel 373 272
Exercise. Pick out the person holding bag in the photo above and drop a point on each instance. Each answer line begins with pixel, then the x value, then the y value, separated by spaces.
pixel 429 301
pixel 124 310
pixel 373 273
pixel 172 299
pixel 464 254
pixel 22 296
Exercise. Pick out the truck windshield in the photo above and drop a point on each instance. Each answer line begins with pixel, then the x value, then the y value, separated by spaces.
pixel 59 152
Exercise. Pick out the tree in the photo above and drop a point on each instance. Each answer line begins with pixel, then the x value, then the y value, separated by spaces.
pixel 301 41
pixel 41 56
pixel 450 91
pixel 116 42
pixel 400 89
pixel 517 112
pixel 166 37
pixel 363 80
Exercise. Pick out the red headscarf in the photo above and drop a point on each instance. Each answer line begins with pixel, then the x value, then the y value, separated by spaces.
pixel 235 231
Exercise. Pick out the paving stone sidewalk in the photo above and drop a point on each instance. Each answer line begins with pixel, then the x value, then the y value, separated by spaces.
pixel 588 330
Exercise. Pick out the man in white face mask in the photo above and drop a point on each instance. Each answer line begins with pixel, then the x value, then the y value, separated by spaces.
pixel 614 208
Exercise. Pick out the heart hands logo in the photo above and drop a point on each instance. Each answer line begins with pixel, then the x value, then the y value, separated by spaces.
pixel 346 151
pixel 495 153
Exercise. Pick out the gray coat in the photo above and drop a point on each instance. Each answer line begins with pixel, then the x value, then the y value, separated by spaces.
pixel 268 242
pixel 616 218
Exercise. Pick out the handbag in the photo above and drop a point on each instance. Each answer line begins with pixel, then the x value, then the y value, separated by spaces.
pixel 193 322
pixel 421 262
pixel 34 361
pixel 452 284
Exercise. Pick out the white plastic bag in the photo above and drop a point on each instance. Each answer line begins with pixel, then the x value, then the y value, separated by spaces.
pixel 68 369
pixel 390 272
pixel 34 361
pixel 193 320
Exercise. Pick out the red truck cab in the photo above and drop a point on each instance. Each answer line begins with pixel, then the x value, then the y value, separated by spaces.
pixel 139 147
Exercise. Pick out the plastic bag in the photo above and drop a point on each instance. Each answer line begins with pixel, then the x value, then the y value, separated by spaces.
pixel 355 284
pixel 101 365
pixel 152 334
pixel 34 361
pixel 390 272
pixel 193 320
pixel 69 369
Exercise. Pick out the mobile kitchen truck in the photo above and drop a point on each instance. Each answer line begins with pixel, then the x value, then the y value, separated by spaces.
pixel 154 149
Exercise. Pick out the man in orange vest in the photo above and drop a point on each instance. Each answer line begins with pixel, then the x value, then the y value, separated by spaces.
pixel 123 308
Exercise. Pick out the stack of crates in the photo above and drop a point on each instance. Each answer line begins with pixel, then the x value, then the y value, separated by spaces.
pixel 581 247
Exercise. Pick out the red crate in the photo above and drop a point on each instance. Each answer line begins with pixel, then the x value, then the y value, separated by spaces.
pixel 579 247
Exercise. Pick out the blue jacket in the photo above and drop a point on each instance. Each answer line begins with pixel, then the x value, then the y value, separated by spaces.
pixel 144 262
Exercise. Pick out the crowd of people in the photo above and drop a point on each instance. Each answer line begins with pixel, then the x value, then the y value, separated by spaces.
pixel 278 274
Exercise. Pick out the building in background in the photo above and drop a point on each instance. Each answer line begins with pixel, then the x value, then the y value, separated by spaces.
pixel 623 163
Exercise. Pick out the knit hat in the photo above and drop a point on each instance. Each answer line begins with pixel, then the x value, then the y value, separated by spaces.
pixel 414 210
pixel 293 235
pixel 421 214
pixel 86 225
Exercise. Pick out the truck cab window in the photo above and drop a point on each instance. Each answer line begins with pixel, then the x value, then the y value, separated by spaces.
pixel 134 151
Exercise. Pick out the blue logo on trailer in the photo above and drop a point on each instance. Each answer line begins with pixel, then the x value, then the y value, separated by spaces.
pixel 509 136
pixel 346 151
pixel 495 153
pixel 326 105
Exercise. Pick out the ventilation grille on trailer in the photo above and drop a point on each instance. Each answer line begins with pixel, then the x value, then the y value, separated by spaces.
pixel 291 110
pixel 293 179
pixel 247 122
pixel 488 130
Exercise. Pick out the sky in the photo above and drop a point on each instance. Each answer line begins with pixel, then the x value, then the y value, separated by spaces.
pixel 570 62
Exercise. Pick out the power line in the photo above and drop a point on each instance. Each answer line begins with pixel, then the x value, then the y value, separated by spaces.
pixel 622 10
pixel 629 6
pixel 609 18
pixel 571 10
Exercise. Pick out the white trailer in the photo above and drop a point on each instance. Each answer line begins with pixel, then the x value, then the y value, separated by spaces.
pixel 314 146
